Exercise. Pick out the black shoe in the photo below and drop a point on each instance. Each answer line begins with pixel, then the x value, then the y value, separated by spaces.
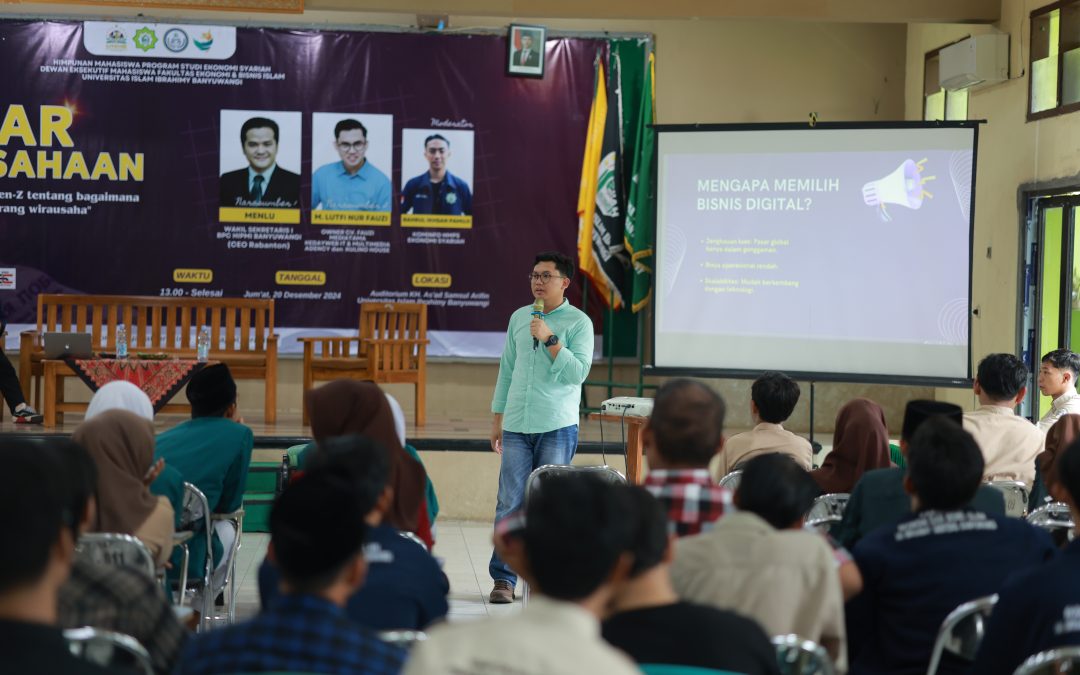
pixel 27 415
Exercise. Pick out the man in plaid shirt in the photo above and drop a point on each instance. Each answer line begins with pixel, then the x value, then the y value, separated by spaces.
pixel 321 561
pixel 684 432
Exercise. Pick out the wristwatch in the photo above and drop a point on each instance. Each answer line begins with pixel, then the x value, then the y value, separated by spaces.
pixel 551 341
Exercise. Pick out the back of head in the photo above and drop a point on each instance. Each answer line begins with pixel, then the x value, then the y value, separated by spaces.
pixel 212 391
pixel 1002 376
pixel 77 476
pixel 34 510
pixel 775 395
pixel 1064 359
pixel 345 407
pixel 945 465
pixel 777 489
pixel 650 537
pixel 361 461
pixel 1068 472
pixel 576 529
pixel 918 411
pixel 121 395
pixel 687 422
pixel 316 528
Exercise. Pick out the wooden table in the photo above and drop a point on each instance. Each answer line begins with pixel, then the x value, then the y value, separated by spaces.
pixel 634 458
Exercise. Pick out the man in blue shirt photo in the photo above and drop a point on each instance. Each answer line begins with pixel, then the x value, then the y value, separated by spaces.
pixel 353 184
pixel 437 191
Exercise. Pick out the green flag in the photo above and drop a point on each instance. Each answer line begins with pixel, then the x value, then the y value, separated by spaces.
pixel 640 211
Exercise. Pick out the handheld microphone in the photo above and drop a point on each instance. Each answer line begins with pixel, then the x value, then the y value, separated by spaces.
pixel 538 312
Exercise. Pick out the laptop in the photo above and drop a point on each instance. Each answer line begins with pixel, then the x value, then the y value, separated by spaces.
pixel 64 345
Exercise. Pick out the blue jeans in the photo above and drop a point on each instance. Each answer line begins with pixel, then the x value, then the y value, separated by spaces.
pixel 522 453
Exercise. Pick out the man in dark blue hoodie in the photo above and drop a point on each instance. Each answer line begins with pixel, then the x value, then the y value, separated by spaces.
pixel 9 384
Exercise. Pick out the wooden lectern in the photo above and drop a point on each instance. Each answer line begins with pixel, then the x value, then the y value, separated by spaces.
pixel 634 425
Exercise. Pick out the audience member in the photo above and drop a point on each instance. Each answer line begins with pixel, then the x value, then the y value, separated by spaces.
pixel 1060 436
pixel 860 444
pixel 212 451
pixel 1039 608
pixel 10 389
pixel 760 563
pixel 1009 443
pixel 399 429
pixel 405 589
pixel 317 533
pixel 683 434
pixel 1057 379
pixel 112 597
pixel 652 625
pixel 772 400
pixel 879 497
pixel 41 527
pixel 573 553
pixel 122 395
pixel 344 407
pixel 122 447
pixel 917 571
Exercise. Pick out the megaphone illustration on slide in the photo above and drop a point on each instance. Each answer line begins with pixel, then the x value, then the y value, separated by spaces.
pixel 904 186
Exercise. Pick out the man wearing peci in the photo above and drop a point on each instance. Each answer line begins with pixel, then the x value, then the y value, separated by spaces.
pixel 526 55
pixel 437 191
pixel 545 360
pixel 262 184
pixel 352 184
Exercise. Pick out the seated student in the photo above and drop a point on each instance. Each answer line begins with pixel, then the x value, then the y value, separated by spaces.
pixel 405 588
pixel 122 447
pixel 317 534
pixel 651 624
pixel 772 400
pixel 1038 608
pixel 683 434
pixel 879 497
pixel 1057 379
pixel 41 528
pixel 572 552
pixel 112 597
pixel 860 444
pixel 212 451
pixel 10 390
pixel 760 563
pixel 345 407
pixel 1009 443
pixel 917 571
pixel 1060 436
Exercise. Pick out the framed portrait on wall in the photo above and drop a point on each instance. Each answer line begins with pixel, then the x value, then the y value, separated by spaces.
pixel 525 50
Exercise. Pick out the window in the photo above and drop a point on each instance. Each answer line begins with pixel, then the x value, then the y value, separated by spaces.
pixel 1055 60
pixel 938 103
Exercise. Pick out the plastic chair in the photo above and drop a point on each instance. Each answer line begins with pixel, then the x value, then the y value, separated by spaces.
pixel 404 639
pixel 196 511
pixel 109 649
pixel 731 481
pixel 536 479
pixel 411 536
pixel 674 669
pixel 1016 496
pixel 1052 662
pixel 962 631
pixel 180 540
pixel 826 511
pixel 1053 516
pixel 229 585
pixel 120 550
pixel 797 656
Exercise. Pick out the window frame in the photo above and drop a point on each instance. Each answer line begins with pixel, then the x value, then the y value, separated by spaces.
pixel 1058 109
pixel 945 104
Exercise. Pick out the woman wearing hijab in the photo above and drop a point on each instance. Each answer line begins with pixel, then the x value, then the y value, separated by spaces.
pixel 122 445
pixel 860 444
pixel 1058 437
pixel 344 407
pixel 121 395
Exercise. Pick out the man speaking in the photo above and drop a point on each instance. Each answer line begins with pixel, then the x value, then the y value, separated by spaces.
pixel 546 358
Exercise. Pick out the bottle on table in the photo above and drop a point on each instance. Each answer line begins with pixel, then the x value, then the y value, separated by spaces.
pixel 202 344
pixel 121 341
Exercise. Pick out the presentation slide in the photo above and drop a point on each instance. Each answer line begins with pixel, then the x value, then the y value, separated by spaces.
pixel 832 251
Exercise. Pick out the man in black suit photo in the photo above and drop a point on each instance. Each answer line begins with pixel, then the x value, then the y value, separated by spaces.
pixel 261 184
pixel 527 55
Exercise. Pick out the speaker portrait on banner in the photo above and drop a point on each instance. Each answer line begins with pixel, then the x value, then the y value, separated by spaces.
pixel 257 148
pixel 351 156
pixel 431 194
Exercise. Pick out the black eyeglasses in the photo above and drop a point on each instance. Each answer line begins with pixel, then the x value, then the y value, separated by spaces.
pixel 544 276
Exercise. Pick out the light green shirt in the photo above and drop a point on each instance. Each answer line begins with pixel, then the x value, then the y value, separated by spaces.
pixel 536 393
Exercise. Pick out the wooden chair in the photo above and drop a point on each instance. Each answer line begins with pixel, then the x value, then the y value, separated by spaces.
pixel 391 348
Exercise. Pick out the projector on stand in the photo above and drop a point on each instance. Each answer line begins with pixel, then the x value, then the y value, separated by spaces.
pixel 627 406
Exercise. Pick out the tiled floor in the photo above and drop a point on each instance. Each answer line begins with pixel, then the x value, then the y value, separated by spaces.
pixel 463 547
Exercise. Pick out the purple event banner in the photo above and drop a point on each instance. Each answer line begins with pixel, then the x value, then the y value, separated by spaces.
pixel 122 169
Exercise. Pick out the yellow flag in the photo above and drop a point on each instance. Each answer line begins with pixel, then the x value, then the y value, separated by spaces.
pixel 586 208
